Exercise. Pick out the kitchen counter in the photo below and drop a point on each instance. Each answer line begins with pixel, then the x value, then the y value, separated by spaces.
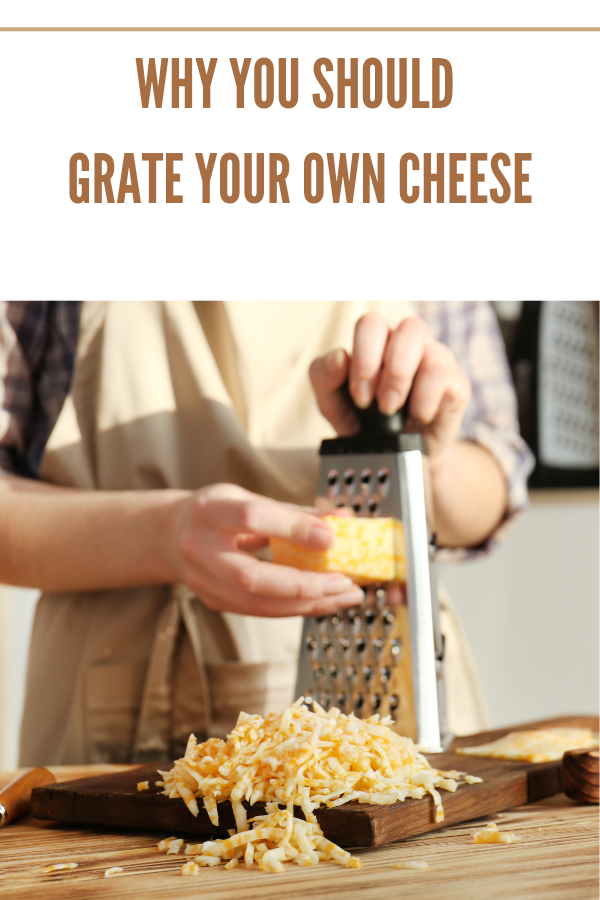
pixel 557 857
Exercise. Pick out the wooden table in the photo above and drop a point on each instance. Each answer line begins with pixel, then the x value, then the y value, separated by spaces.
pixel 557 857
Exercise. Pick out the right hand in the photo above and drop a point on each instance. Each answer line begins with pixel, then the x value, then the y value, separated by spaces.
pixel 213 531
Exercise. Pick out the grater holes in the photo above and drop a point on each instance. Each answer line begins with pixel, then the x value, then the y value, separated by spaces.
pixel 311 642
pixel 375 702
pixel 385 674
pixel 396 649
pixel 356 504
pixel 373 504
pixel 367 673
pixel 334 671
pixel 351 673
pixel 332 478
pixel 377 646
pixel 388 618
pixel 360 645
pixel 359 701
pixel 318 673
pixel 394 702
pixel 349 477
pixel 341 701
pixel 325 700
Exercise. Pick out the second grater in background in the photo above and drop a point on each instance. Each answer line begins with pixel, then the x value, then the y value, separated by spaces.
pixel 381 657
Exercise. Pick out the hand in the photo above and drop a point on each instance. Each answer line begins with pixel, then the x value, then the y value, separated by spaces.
pixel 214 529
pixel 385 364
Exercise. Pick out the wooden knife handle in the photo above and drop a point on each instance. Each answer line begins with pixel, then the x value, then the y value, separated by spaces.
pixel 15 798
pixel 580 775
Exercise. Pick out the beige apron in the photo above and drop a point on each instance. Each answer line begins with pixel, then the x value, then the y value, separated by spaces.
pixel 182 395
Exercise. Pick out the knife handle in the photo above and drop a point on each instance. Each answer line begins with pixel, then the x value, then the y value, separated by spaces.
pixel 15 798
pixel 580 775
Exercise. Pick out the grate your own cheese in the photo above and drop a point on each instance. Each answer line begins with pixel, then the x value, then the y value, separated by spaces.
pixel 303 759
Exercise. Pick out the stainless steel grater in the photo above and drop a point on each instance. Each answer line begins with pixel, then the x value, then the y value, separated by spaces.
pixel 378 657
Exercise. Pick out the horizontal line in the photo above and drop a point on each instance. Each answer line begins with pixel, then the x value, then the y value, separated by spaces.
pixel 292 28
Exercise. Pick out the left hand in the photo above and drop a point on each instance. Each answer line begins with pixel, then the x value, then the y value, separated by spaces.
pixel 386 363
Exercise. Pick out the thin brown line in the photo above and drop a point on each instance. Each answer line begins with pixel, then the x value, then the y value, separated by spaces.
pixel 299 28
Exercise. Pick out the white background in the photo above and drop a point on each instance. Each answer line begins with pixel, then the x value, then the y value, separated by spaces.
pixel 513 92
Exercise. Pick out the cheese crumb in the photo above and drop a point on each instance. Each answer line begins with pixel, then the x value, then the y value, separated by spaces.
pixel 473 779
pixel 143 786
pixel 58 866
pixel 115 870
pixel 411 864
pixel 189 868
pixel 491 835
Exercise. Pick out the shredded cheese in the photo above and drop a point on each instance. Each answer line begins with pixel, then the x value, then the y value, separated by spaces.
pixel 304 759
pixel 143 786
pixel 114 870
pixel 58 866
pixel 491 835
pixel 542 745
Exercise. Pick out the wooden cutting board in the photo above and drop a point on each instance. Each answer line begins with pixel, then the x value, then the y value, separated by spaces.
pixel 113 800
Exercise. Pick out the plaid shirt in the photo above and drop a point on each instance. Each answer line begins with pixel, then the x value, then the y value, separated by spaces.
pixel 38 341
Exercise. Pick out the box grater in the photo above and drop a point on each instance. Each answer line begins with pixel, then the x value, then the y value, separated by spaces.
pixel 381 657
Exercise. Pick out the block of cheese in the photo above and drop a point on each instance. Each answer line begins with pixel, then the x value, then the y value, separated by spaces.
pixel 367 550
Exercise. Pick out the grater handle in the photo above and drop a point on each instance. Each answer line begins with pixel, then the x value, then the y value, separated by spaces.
pixel 372 421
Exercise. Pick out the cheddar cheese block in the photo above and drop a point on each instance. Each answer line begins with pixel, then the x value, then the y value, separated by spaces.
pixel 367 550
pixel 544 745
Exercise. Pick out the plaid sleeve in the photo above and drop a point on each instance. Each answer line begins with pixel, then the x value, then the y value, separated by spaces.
pixel 38 341
pixel 471 331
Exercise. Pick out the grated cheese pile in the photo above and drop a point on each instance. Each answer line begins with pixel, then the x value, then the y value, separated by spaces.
pixel 491 835
pixel 302 758
pixel 274 838
pixel 543 745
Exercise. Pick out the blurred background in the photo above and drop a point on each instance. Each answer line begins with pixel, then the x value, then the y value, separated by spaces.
pixel 530 610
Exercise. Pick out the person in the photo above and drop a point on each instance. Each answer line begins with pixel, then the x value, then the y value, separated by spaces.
pixel 148 450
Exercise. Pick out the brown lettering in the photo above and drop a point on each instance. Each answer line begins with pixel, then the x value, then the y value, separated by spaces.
pixel 152 159
pixel 342 177
pixel 206 77
pixel 177 83
pixel 405 159
pixel 152 84
pixel 233 195
pixel 278 179
pixel 375 65
pixel 327 100
pixel 521 177
pixel 206 170
pixel 128 171
pixel 173 177
pixel 102 179
pixel 455 177
pixel 240 76
pixel 260 177
pixel 437 64
pixel 498 158
pixel 75 182
pixel 264 64
pixel 370 178
pixel 416 86
pixel 429 177
pixel 316 195
pixel 396 103
pixel 283 101
pixel 351 82
pixel 477 177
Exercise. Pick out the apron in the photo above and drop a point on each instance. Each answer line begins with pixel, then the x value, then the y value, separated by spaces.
pixel 183 395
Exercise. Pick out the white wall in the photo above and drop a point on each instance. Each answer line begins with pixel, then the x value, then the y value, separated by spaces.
pixel 16 615
pixel 531 611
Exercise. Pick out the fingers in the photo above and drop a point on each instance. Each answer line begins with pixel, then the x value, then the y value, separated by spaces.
pixel 403 355
pixel 370 339
pixel 327 375
pixel 251 514
pixel 271 608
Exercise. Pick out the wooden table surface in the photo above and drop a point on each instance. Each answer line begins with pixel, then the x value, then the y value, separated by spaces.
pixel 557 857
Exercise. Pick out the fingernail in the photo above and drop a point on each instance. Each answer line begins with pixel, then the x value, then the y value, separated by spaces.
pixel 333 361
pixel 390 402
pixel 351 598
pixel 362 394
pixel 320 536
pixel 338 584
